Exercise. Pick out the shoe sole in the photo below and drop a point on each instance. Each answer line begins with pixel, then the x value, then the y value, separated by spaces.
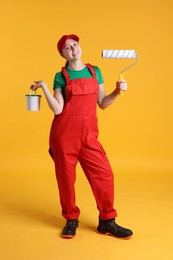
pixel 67 236
pixel 109 234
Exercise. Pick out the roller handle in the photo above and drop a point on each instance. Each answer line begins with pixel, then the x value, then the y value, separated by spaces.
pixel 121 77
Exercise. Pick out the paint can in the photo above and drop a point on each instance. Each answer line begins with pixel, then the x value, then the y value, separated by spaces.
pixel 33 102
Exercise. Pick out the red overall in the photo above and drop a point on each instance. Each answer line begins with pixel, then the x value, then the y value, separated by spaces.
pixel 73 138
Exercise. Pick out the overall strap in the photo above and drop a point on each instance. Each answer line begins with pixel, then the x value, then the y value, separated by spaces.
pixel 90 67
pixel 67 78
pixel 65 73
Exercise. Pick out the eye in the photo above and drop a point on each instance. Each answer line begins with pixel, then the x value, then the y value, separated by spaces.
pixel 75 44
pixel 67 47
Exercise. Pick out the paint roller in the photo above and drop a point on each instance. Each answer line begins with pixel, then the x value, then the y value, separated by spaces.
pixel 121 54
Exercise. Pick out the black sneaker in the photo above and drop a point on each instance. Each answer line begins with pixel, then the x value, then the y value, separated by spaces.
pixel 110 228
pixel 69 231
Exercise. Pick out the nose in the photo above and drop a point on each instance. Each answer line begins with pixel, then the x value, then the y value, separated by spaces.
pixel 73 48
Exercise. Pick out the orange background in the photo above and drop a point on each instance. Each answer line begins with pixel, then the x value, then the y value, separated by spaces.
pixel 136 131
pixel 139 126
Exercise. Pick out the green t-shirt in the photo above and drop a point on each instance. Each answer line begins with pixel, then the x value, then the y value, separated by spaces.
pixel 60 82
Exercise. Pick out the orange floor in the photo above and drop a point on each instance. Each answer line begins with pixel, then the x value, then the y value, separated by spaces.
pixel 31 221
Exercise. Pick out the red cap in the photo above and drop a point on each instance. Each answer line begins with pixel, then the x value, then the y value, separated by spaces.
pixel 63 39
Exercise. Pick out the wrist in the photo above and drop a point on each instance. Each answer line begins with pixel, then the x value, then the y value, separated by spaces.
pixel 117 90
pixel 44 86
